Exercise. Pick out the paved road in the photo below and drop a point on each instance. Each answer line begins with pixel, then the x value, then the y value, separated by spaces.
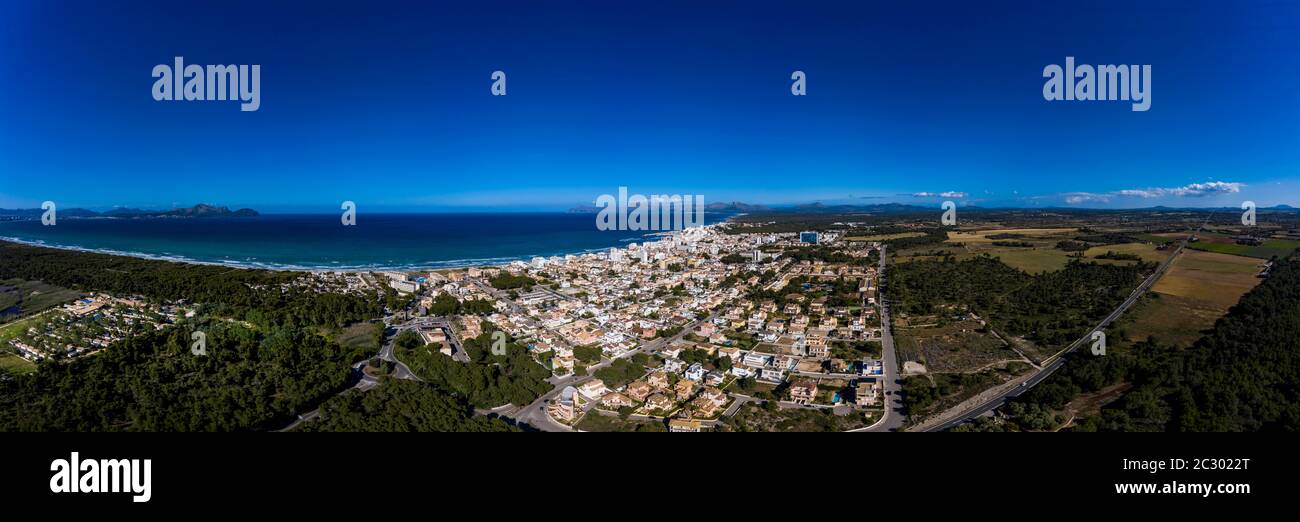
pixel 400 370
pixel 366 381
pixel 893 380
pixel 1051 364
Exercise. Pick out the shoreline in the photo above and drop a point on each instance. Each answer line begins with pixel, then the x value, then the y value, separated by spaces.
pixel 350 269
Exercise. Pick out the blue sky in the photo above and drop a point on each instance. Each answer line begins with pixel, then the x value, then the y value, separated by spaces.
pixel 389 104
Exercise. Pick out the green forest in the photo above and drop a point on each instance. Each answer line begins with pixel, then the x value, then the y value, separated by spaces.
pixel 399 405
pixel 250 295
pixel 488 380
pixel 249 380
pixel 1242 376
pixel 1050 309
pixel 255 375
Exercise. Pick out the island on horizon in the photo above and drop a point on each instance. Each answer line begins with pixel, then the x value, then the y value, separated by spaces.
pixel 201 210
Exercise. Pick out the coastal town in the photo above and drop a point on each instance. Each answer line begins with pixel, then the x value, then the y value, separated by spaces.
pixel 682 332
pixel 744 325
pixel 690 329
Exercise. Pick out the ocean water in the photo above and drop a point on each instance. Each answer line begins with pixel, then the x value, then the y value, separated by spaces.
pixel 319 241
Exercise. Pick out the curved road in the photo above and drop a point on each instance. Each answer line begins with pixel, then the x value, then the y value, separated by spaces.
pixel 893 417
pixel 1054 362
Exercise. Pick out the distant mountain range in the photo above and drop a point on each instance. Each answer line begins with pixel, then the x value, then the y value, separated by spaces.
pixel 197 211
pixel 879 208
pixel 734 206
pixel 901 208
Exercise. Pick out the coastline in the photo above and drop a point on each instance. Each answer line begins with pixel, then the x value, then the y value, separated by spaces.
pixel 408 267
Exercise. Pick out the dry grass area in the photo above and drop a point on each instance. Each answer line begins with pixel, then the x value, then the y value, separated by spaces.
pixel 1218 279
pixel 1031 260
pixel 14 364
pixel 1146 251
pixel 982 236
pixel 1170 319
pixel 1042 256
pixel 958 346
pixel 1198 289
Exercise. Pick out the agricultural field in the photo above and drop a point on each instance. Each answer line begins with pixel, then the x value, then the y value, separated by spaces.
pixel 1027 234
pixel 1042 256
pixel 1198 289
pixel 1219 279
pixel 1031 260
pixel 1145 251
pixel 1169 319
pixel 1224 244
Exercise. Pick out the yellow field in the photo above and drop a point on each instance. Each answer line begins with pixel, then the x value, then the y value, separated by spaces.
pixel 1146 251
pixel 1218 279
pixel 982 236
pixel 1198 289
pixel 1171 319
pixel 1031 260
pixel 1043 257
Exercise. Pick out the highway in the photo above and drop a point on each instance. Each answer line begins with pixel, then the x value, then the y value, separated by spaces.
pixel 1051 364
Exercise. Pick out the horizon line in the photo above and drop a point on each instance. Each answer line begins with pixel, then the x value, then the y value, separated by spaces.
pixel 759 208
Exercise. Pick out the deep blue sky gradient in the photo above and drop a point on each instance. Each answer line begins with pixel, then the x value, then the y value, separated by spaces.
pixel 388 104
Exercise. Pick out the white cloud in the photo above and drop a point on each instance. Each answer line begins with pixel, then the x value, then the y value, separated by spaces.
pixel 948 194
pixel 1075 198
pixel 1194 190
